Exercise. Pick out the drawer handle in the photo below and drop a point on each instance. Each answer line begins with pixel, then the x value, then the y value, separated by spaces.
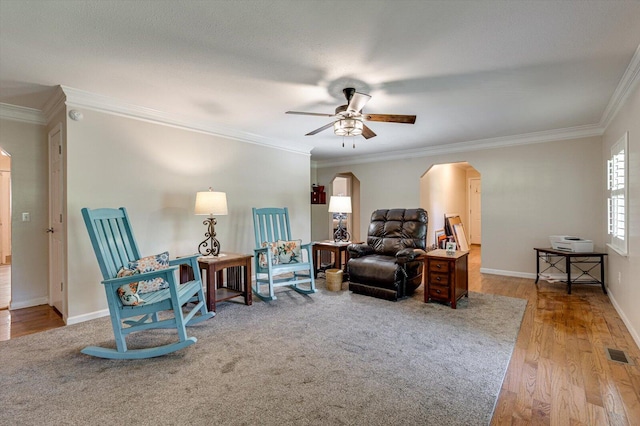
pixel 437 278
pixel 438 266
pixel 438 291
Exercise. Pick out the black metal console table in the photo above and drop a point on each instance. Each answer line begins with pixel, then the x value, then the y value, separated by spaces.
pixel 585 263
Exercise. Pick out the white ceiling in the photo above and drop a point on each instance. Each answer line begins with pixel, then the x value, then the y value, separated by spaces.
pixel 469 70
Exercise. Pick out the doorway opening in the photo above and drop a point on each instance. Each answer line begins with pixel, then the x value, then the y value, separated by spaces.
pixel 349 185
pixel 452 189
pixel 5 229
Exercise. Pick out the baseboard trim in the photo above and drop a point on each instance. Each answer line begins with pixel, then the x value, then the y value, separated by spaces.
pixel 508 273
pixel 29 303
pixel 86 317
pixel 625 320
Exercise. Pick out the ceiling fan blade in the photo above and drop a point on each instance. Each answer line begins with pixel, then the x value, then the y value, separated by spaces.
pixel 391 118
pixel 357 102
pixel 313 132
pixel 367 132
pixel 319 114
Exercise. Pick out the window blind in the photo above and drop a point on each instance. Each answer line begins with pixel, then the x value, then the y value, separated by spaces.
pixel 617 187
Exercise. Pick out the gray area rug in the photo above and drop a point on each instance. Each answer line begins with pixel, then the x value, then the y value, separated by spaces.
pixel 327 359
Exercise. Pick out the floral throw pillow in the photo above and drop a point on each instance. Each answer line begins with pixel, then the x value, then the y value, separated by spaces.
pixel 149 264
pixel 128 293
pixel 262 257
pixel 288 251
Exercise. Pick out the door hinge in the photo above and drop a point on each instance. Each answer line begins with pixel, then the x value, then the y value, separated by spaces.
pixel 60 217
pixel 60 286
pixel 60 149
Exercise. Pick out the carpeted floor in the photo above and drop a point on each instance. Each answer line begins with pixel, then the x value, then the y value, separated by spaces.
pixel 326 359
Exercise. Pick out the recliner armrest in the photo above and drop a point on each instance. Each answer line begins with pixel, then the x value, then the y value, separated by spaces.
pixel 359 250
pixel 409 254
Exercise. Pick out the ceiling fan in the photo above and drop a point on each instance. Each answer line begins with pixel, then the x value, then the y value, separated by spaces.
pixel 349 118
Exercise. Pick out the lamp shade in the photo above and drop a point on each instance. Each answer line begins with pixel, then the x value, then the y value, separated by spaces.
pixel 211 203
pixel 340 204
pixel 348 127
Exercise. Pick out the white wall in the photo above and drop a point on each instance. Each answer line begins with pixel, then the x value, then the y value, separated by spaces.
pixel 339 186
pixel 26 143
pixel 155 171
pixel 320 222
pixel 625 293
pixel 443 189
pixel 528 193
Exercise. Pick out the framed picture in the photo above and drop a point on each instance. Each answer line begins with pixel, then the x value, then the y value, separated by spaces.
pixel 451 220
pixel 450 247
pixel 440 238
pixel 461 237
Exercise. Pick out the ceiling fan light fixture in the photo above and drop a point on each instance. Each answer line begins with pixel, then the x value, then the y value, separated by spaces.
pixel 348 127
pixel 350 119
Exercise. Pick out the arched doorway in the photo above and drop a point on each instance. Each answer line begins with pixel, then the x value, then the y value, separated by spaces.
pixel 348 184
pixel 452 189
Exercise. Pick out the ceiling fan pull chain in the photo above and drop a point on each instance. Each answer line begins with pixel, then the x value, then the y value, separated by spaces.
pixel 354 144
pixel 343 141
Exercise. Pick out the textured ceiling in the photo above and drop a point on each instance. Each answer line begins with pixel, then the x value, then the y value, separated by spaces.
pixel 469 70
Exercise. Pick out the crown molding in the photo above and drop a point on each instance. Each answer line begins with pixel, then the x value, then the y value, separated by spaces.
pixel 54 104
pixel 74 97
pixel 626 85
pixel 81 99
pixel 23 114
pixel 477 145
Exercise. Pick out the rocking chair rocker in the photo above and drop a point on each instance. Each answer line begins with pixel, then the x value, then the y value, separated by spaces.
pixel 115 246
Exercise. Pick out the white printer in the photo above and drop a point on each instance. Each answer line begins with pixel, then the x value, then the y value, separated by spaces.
pixel 571 244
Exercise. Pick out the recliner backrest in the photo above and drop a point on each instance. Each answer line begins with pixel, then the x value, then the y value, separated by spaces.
pixel 392 230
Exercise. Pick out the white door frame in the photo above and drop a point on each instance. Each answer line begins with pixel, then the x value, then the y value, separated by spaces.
pixel 473 232
pixel 57 231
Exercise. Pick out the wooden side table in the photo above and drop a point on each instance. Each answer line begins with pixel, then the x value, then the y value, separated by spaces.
pixel 447 276
pixel 339 250
pixel 238 277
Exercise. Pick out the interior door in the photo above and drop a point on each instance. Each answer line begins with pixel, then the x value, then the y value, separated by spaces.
pixel 475 211
pixel 56 223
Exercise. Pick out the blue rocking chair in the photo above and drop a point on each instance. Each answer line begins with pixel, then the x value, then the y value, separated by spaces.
pixel 276 264
pixel 115 246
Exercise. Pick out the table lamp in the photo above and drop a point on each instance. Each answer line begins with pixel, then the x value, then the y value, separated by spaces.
pixel 210 203
pixel 340 204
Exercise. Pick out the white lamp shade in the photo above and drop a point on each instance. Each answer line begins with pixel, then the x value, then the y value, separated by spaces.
pixel 348 127
pixel 211 203
pixel 340 204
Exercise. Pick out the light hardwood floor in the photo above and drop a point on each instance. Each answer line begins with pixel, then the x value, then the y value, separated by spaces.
pixel 21 322
pixel 559 373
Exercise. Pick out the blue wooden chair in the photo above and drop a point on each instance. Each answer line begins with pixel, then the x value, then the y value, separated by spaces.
pixel 271 226
pixel 115 246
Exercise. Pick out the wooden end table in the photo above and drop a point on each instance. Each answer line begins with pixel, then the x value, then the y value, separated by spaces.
pixel 238 277
pixel 447 276
pixel 339 250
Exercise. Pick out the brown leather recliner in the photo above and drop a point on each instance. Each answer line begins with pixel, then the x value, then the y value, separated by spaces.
pixel 389 265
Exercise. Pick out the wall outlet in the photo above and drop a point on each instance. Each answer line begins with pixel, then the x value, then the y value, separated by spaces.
pixel 619 277
pixel 26 217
